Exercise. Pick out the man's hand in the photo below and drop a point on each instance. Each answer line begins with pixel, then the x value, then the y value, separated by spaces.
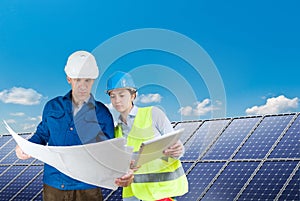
pixel 20 154
pixel 125 180
pixel 174 151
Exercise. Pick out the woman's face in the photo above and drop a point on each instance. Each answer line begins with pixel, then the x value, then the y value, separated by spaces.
pixel 121 100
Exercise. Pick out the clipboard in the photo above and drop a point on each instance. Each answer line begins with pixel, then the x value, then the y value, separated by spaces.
pixel 153 149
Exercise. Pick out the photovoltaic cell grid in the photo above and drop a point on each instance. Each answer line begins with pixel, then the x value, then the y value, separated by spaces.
pixel 292 192
pixel 7 153
pixel 199 177
pixel 18 182
pixel 267 183
pixel 229 183
pixel 289 146
pixel 230 139
pixel 247 158
pixel 264 137
pixel 203 137
pixel 189 129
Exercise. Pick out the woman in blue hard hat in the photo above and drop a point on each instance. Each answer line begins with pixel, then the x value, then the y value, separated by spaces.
pixel 160 179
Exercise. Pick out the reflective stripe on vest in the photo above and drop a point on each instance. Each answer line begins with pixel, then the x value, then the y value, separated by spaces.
pixel 158 177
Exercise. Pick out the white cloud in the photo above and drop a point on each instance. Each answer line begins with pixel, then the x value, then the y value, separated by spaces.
pixel 18 114
pixel 186 111
pixel 149 98
pixel 19 95
pixel 33 118
pixel 10 121
pixel 29 127
pixel 200 108
pixel 274 105
pixel 203 107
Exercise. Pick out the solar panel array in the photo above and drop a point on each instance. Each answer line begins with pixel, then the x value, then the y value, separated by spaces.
pixel 245 158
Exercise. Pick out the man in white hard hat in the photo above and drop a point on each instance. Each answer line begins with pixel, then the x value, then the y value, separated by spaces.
pixel 74 119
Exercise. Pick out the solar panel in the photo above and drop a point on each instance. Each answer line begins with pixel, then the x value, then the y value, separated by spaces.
pixel 2 168
pixel 262 139
pixel 230 139
pixel 11 158
pixel 4 139
pixel 199 177
pixel 232 179
pixel 6 149
pixel 105 192
pixel 268 181
pixel 115 195
pixel 17 183
pixel 9 175
pixel 244 158
pixel 39 197
pixel 203 137
pixel 186 166
pixel 292 191
pixel 189 129
pixel 7 153
pixel 288 146
pixel 33 188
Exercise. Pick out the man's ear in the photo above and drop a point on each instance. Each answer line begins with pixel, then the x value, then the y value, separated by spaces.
pixel 69 80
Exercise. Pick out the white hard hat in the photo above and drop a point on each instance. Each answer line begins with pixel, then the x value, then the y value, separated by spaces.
pixel 82 64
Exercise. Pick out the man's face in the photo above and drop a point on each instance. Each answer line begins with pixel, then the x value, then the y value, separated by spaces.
pixel 81 88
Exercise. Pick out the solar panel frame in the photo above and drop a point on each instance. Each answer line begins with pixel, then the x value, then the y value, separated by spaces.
pixel 114 195
pixel 258 145
pixel 33 188
pixel 8 149
pixel 205 172
pixel 190 127
pixel 291 189
pixel 205 136
pixel 11 158
pixel 10 175
pixel 260 187
pixel 187 166
pixel 226 188
pixel 38 197
pixel 3 168
pixel 4 139
pixel 232 138
pixel 18 183
pixel 288 146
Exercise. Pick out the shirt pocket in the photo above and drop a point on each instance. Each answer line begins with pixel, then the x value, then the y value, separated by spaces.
pixel 58 127
pixel 90 130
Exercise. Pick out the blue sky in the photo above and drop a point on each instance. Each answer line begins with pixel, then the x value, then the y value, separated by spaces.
pixel 248 54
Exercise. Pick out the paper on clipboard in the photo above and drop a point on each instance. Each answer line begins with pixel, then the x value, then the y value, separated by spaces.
pixel 153 149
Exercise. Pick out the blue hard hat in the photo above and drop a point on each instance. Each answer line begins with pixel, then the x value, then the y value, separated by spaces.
pixel 120 80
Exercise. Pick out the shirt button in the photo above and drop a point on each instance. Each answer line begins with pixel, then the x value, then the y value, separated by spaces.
pixel 71 128
pixel 62 186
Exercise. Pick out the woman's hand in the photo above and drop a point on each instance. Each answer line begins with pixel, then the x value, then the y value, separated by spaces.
pixel 174 151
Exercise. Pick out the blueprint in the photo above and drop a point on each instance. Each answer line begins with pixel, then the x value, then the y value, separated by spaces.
pixel 96 163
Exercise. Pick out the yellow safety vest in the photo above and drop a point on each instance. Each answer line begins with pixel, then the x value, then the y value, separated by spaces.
pixel 160 178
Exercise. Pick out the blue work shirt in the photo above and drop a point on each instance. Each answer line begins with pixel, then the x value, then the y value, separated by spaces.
pixel 93 123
